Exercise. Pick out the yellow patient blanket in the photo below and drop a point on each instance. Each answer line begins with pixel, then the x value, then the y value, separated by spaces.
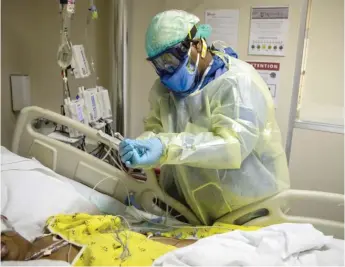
pixel 105 241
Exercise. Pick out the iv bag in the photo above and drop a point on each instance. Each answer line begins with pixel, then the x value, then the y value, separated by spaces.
pixel 64 55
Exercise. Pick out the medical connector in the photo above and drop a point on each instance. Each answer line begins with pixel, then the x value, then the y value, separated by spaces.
pixel 66 90
pixel 130 201
pixel 99 126
pixel 118 136
pixel 113 142
pixel 94 13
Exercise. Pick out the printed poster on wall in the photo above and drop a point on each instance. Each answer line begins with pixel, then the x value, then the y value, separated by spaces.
pixel 269 71
pixel 268 31
pixel 224 23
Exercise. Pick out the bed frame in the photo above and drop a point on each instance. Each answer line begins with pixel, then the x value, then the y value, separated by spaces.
pixel 88 170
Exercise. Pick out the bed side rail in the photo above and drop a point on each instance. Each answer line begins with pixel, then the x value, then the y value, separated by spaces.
pixel 76 164
pixel 276 213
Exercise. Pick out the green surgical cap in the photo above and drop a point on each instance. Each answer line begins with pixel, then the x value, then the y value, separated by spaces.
pixel 171 27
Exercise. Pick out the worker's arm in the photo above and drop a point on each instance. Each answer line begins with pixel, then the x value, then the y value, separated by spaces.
pixel 231 140
pixel 225 148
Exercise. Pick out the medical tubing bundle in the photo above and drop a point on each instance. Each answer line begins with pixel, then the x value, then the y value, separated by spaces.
pixel 169 226
pixel 92 15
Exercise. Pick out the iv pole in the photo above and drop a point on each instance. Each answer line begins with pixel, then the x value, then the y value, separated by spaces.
pixel 120 66
pixel 64 55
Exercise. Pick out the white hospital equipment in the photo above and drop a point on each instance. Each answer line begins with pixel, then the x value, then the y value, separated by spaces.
pixel 103 96
pixel 79 63
pixel 73 57
pixel 84 168
pixel 97 103
pixel 76 110
pixel 20 91
pixel 91 106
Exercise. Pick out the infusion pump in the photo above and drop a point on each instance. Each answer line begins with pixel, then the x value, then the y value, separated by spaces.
pixel 91 107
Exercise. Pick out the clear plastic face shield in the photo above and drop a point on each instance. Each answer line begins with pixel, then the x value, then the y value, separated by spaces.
pixel 169 61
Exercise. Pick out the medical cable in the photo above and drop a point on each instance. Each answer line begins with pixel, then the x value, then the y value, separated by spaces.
pixel 107 154
pixel 69 251
pixel 67 92
pixel 125 249
pixel 124 243
pixel 125 252
pixel 64 54
pixel 182 226
pixel 92 15
pixel 138 213
pixel 169 227
pixel 117 164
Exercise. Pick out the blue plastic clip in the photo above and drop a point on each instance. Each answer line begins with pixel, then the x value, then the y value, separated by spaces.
pixel 130 201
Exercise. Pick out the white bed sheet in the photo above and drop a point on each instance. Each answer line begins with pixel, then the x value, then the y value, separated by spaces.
pixel 36 192
pixel 7 158
pixel 30 193
pixel 276 245
pixel 12 161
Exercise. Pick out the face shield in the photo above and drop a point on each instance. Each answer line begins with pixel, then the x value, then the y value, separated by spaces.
pixel 168 61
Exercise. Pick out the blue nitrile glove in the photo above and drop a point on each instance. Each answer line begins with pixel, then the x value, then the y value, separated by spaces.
pixel 140 152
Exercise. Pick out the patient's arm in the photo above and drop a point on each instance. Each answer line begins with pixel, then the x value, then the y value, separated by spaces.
pixel 179 243
pixel 14 247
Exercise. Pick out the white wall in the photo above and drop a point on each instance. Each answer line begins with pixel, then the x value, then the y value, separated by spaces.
pixel 323 84
pixel 317 158
pixel 30 38
pixel 317 161
pixel 142 74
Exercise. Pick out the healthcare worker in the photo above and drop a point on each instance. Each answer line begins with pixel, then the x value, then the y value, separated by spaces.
pixel 211 127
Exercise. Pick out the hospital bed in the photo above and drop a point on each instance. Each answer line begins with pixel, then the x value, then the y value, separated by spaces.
pixel 82 167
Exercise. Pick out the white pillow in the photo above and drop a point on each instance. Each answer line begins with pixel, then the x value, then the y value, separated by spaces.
pixel 30 193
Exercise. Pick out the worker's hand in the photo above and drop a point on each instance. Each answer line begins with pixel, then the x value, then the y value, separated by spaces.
pixel 140 152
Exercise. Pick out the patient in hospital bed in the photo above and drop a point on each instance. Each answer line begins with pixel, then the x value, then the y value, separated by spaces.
pixel 35 198
pixel 31 193
pixel 100 240
pixel 88 241
pixel 14 247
